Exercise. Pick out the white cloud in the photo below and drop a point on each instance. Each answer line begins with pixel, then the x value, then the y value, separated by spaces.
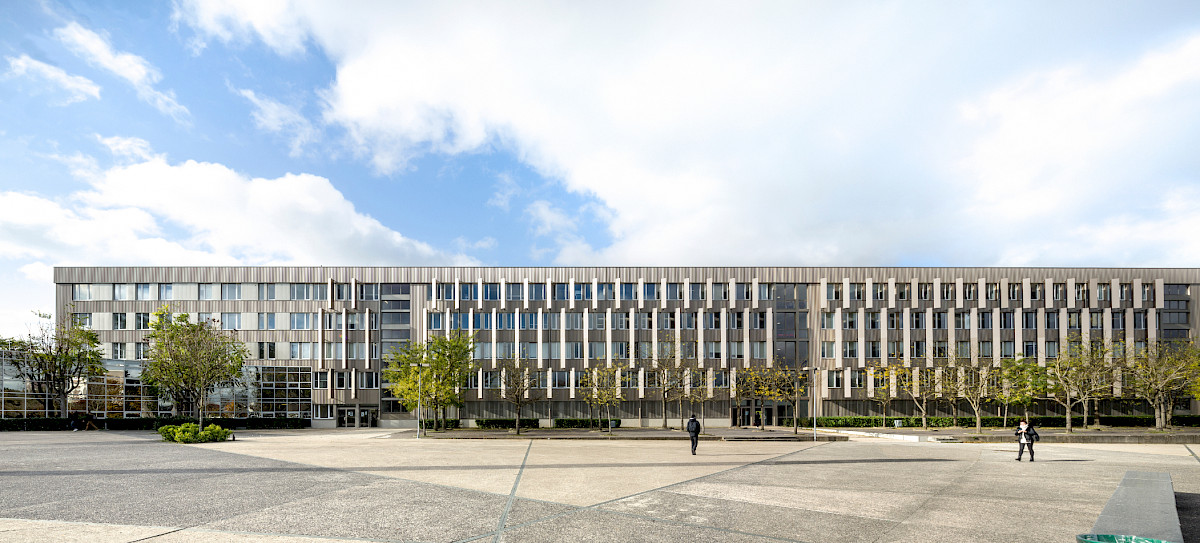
pixel 506 189
pixel 832 132
pixel 134 149
pixel 80 165
pixel 132 68
pixel 152 212
pixel 486 242
pixel 77 87
pixel 273 116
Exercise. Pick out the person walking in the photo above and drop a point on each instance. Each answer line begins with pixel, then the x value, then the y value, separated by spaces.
pixel 693 430
pixel 1026 435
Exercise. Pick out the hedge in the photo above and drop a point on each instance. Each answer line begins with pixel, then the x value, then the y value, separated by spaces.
pixel 153 423
pixel 585 423
pixel 451 424
pixel 493 424
pixel 191 433
pixel 1142 421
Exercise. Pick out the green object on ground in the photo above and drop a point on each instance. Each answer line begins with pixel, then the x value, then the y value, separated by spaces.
pixel 1110 538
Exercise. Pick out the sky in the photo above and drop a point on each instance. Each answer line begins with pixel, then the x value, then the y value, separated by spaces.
pixel 797 133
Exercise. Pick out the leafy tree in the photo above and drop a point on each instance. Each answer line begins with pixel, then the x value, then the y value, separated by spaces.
pixel 519 388
pixel 600 387
pixel 186 359
pixel 664 375
pixel 430 374
pixel 1072 375
pixel 1160 372
pixel 56 359
pixel 697 393
pixel 920 385
pixel 788 385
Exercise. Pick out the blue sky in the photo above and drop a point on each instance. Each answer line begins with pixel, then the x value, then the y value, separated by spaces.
pixel 566 133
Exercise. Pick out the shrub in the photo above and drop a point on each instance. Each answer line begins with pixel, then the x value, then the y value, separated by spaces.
pixel 190 432
pixel 585 423
pixel 451 424
pixel 491 424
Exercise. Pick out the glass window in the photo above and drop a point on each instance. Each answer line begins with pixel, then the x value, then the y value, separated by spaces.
pixel 924 291
pixel 1051 321
pixel 720 291
pixel 83 320
pixel 468 291
pixel 650 291
pixel 122 292
pixel 1014 291
pixel 144 292
pixel 583 291
pixel 674 291
pixel 368 292
pixel 850 320
pixel 834 378
pixel 164 291
pixel 1028 320
pixel 742 291
pixel 939 320
pixel 231 321
pixel 141 321
pixel 206 291
pixel 514 291
pixel 266 321
pixel 537 292
pixel 605 291
pixel 320 379
pixel 628 291
pixel 231 291
pixel 833 291
pixel 970 291
pixel 985 349
pixel 697 291
pixel 491 291
pixel 118 321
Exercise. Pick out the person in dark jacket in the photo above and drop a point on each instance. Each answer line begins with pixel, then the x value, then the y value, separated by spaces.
pixel 693 429
pixel 1026 435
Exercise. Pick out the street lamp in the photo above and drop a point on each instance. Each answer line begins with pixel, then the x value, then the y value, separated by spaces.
pixel 419 394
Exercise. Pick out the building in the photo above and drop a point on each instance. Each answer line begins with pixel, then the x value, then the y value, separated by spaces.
pixel 318 336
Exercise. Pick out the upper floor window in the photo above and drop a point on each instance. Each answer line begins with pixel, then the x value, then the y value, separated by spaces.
pixel 903 291
pixel 881 291
pixel 1014 291
pixel 266 291
pixel 1102 291
pixel 674 291
pixel 948 291
pixel 445 291
pixel 605 291
pixel 165 291
pixel 970 291
pixel 1036 291
pixel 514 292
pixel 650 291
pixel 491 291
pixel 628 291
pixel 1081 291
pixel 742 291
pixel 720 291
pixel 81 292
pixel 1126 292
pixel 833 291
pixel 468 291
pixel 1147 292
pixel 1060 291
pixel 537 292
pixel 122 292
pixel 341 291
pixel 993 291
pixel 367 292
pixel 924 291
pixel 857 291
pixel 697 291
pixel 231 291
pixel 144 292
pixel 1176 290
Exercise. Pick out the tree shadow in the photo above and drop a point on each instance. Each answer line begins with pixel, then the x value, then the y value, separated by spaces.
pixel 1188 506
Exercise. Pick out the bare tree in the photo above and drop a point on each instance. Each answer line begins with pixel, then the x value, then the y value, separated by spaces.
pixel 1072 375
pixel 882 392
pixel 601 389
pixel 519 389
pixel 920 385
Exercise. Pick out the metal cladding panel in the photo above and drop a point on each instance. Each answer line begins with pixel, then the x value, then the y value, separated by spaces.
pixel 377 274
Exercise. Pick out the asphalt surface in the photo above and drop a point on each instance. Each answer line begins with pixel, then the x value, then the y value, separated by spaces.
pixel 381 486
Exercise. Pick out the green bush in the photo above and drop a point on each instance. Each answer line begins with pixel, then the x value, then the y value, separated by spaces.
pixel 451 424
pixel 191 433
pixel 585 423
pixel 493 424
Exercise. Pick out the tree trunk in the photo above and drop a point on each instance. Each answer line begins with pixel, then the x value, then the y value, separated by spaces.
pixel 1069 405
pixel 664 406
pixel 1004 419
pixel 517 423
pixel 1086 412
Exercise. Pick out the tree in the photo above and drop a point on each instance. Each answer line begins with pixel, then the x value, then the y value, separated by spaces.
pixel 884 377
pixel 186 359
pixel 787 385
pixel 1071 375
pixel 430 374
pixel 1160 372
pixel 665 375
pixel 972 385
pixel 600 387
pixel 920 385
pixel 1098 377
pixel 1024 382
pixel 56 359
pixel 519 389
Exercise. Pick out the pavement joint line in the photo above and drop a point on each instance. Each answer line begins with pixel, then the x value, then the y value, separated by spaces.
pixel 596 506
pixel 937 493
pixel 512 494
pixel 1191 451
pixel 703 526
pixel 147 538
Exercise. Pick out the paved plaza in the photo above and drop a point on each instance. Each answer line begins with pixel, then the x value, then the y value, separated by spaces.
pixel 381 485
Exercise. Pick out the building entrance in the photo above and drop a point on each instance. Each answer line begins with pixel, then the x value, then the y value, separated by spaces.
pixel 357 417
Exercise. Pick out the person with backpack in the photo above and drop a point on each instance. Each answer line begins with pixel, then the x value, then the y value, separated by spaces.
pixel 693 430
pixel 1026 435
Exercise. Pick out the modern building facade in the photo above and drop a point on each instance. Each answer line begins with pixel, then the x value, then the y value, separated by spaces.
pixel 318 336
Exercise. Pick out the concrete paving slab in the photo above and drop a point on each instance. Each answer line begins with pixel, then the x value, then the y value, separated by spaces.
pixel 593 526
pixel 41 531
